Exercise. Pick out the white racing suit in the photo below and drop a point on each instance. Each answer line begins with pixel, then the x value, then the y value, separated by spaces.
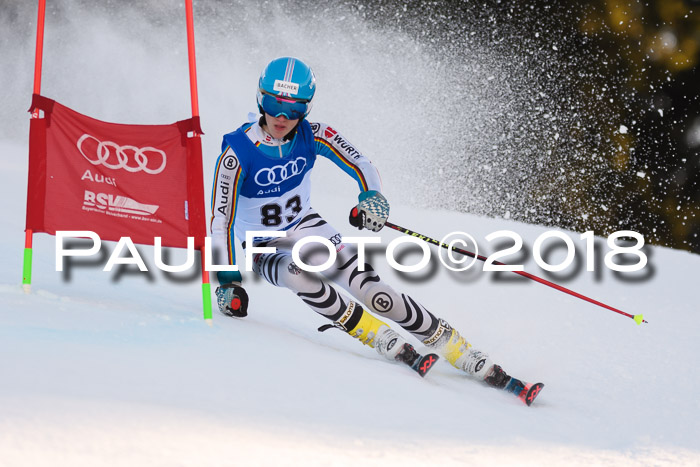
pixel 264 184
pixel 365 286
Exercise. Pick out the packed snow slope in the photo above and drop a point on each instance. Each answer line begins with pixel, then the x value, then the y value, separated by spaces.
pixel 119 369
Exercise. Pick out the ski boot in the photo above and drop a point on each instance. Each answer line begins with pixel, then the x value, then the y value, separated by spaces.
pixel 451 345
pixel 460 353
pixel 375 333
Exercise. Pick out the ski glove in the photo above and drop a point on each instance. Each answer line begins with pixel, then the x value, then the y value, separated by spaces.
pixel 232 300
pixel 371 213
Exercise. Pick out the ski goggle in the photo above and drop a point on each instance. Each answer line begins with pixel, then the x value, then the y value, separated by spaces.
pixel 290 108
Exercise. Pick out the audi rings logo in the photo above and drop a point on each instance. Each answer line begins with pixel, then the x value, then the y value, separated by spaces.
pixel 279 173
pixel 129 158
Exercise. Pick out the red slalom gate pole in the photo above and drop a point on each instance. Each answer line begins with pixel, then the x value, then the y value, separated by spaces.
pixel 639 319
pixel 192 61
pixel 38 60
pixel 206 285
pixel 39 46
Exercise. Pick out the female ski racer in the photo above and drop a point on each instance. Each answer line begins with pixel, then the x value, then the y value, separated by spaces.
pixel 262 183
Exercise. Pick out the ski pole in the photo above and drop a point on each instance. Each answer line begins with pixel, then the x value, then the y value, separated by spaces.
pixel 639 319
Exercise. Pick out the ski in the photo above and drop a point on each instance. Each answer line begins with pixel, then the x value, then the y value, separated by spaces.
pixel 526 392
pixel 531 392
pixel 421 364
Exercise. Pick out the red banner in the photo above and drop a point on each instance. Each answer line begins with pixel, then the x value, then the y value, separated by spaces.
pixel 137 181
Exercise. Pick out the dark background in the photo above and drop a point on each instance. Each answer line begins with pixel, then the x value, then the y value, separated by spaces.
pixel 615 60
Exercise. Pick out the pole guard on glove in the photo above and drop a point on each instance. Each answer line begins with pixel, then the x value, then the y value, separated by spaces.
pixel 371 213
pixel 232 300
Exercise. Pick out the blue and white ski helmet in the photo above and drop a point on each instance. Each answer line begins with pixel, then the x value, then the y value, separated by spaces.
pixel 286 87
